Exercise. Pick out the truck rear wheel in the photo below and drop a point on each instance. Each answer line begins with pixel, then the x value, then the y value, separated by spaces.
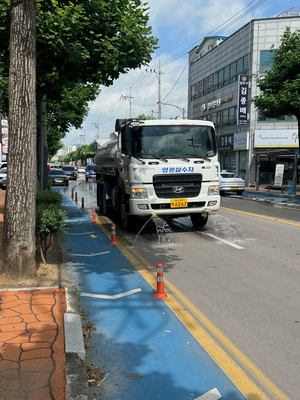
pixel 101 199
pixel 199 220
pixel 103 202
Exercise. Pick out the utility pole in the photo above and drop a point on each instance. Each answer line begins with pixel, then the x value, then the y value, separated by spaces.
pixel 130 104
pixel 158 74
pixel 82 137
pixel 96 125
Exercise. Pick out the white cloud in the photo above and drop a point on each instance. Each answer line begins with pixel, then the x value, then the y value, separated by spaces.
pixel 179 25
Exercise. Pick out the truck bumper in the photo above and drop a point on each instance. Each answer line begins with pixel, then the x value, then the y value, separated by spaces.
pixel 146 208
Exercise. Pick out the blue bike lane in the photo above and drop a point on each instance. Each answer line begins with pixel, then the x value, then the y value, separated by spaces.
pixel 143 349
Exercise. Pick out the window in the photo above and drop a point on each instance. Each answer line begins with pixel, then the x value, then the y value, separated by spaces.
pixel 215 79
pixel 266 60
pixel 221 77
pixel 240 66
pixel 226 74
pixel 205 84
pixel 193 90
pixel 201 86
pixel 233 70
pixel 214 118
pixel 232 114
pixel 225 116
pixel 246 64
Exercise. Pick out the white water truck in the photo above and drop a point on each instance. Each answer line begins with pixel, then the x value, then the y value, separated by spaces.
pixel 167 168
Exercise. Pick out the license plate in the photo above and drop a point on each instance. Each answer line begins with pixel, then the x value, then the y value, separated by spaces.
pixel 234 188
pixel 179 203
pixel 58 180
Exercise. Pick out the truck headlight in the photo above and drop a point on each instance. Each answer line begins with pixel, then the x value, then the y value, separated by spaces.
pixel 139 193
pixel 213 190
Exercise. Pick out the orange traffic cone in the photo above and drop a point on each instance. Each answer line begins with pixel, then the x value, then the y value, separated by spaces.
pixel 113 238
pixel 160 293
pixel 94 217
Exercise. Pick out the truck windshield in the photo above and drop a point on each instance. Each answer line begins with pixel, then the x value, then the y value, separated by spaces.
pixel 178 141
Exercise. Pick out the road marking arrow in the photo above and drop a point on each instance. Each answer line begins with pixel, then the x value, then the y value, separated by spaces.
pixel 213 394
pixel 112 297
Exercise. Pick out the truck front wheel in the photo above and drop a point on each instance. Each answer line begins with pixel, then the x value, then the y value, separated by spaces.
pixel 127 221
pixel 199 220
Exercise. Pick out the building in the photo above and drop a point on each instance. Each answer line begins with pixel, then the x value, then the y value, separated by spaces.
pixel 221 83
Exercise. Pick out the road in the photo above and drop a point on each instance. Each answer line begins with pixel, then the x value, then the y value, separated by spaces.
pixel 239 278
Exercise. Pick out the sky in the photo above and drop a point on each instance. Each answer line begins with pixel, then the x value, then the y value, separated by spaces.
pixel 179 26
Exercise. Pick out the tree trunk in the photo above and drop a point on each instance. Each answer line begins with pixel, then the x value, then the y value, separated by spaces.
pixel 18 255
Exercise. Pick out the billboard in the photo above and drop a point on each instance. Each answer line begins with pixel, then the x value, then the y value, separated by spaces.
pixel 242 105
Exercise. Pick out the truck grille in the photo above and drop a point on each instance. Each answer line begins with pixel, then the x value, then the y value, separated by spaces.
pixel 177 185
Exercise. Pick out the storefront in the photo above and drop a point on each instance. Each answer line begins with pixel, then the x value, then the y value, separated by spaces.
pixel 233 151
pixel 273 147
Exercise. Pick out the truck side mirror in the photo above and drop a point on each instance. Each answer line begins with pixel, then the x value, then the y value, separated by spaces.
pixel 126 140
pixel 118 124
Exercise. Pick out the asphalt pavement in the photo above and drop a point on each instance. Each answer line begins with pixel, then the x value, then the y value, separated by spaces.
pixel 142 348
pixel 140 340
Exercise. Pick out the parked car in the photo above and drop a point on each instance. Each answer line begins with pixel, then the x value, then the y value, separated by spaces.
pixel 59 177
pixel 70 171
pixel 3 172
pixel 3 183
pixel 231 182
pixel 89 172
pixel 3 165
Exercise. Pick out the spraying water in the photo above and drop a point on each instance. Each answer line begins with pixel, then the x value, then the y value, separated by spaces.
pixel 163 230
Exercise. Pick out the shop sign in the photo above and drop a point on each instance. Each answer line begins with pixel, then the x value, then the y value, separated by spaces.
pixel 242 106
pixel 4 138
pixel 279 138
pixel 4 144
pixel 279 171
pixel 215 103
pixel 226 142
pixel 241 141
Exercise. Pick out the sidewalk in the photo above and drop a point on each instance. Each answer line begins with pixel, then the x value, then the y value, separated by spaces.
pixel 32 361
pixel 272 194
pixel 39 354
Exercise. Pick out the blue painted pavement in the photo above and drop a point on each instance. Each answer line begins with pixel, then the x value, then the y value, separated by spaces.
pixel 142 348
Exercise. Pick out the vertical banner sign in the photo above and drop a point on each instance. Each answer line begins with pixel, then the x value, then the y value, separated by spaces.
pixel 242 107
pixel 279 171
pixel 4 139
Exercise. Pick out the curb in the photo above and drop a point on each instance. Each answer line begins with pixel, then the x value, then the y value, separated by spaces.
pixel 76 380
pixel 271 196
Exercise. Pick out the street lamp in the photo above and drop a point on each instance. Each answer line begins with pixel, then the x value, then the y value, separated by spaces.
pixel 179 108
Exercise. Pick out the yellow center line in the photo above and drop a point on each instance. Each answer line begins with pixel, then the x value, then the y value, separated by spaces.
pixel 282 221
pixel 205 331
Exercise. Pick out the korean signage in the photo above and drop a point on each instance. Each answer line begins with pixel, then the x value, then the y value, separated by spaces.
pixel 216 103
pixel 279 138
pixel 241 141
pixel 234 141
pixel 279 171
pixel 242 106
pixel 226 142
pixel 4 139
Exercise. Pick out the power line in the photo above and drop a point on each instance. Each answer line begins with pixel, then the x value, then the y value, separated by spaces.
pixel 225 25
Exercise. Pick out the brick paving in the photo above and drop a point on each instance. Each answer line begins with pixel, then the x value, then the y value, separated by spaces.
pixel 32 342
pixel 32 348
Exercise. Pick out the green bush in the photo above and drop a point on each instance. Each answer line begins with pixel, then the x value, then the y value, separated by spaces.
pixel 50 220
pixel 48 197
